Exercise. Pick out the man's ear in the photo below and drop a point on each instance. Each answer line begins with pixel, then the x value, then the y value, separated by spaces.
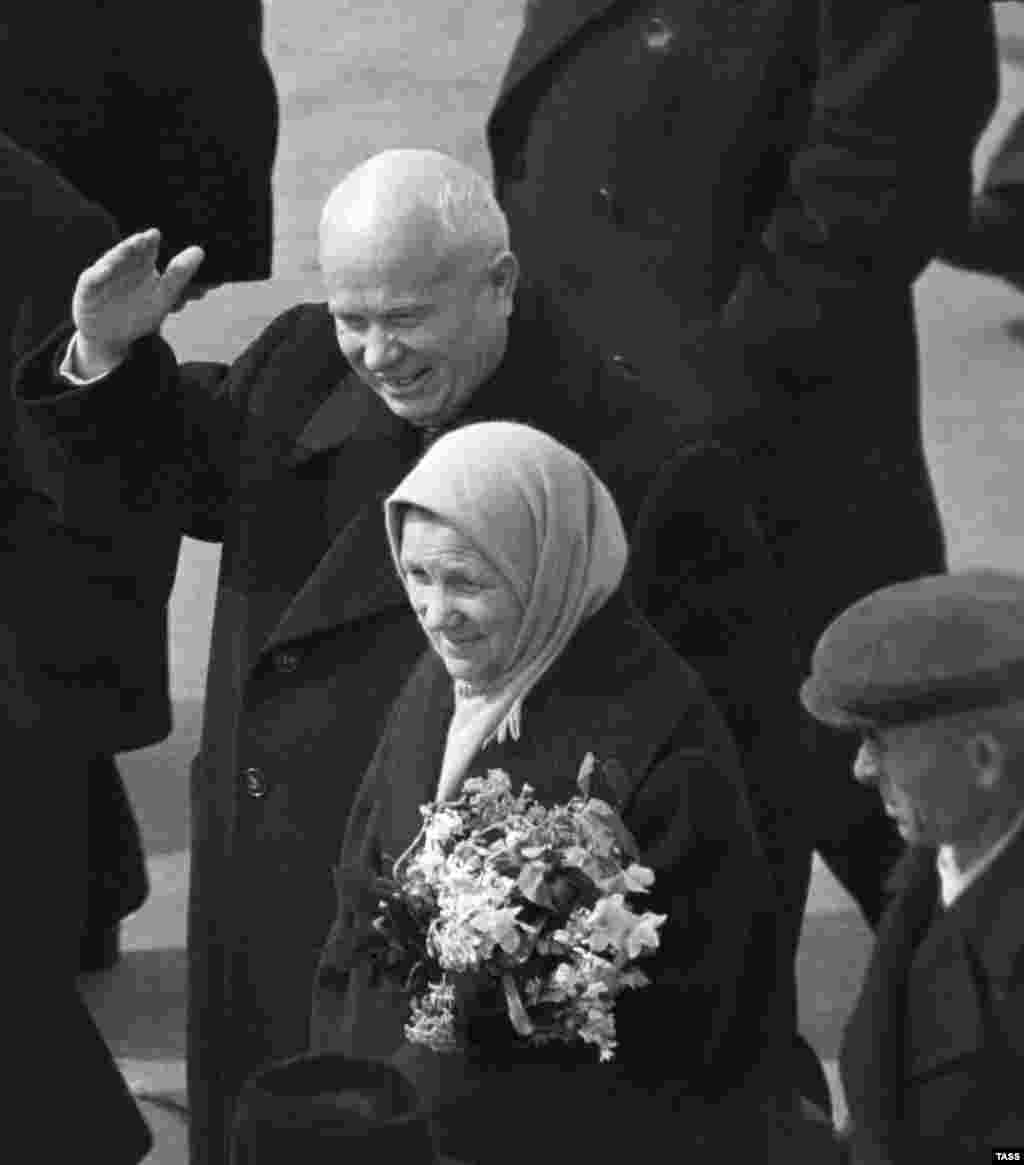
pixel 504 276
pixel 986 756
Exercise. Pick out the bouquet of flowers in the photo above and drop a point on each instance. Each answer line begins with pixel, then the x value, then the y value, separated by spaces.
pixel 534 902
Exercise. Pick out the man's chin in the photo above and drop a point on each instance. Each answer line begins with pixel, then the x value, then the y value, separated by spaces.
pixel 415 410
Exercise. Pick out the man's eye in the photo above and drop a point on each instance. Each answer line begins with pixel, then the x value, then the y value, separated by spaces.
pixel 351 323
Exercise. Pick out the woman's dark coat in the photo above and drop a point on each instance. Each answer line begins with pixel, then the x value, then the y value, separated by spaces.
pixel 285 458
pixel 710 1017
pixel 166 115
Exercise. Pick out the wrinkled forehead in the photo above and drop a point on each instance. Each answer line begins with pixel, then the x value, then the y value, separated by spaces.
pixel 383 265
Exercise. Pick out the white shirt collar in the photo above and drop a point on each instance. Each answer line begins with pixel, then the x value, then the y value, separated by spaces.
pixel 955 881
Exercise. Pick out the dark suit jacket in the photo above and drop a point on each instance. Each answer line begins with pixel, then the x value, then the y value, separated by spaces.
pixel 934 1050
pixel 285 458
pixel 619 692
pixel 167 117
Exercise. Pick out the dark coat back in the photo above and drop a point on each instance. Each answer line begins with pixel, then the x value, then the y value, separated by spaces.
pixel 776 167
pixel 933 1052
pixel 750 199
pixel 622 694
pixel 167 117
pixel 286 458
pixel 46 727
pixel 102 609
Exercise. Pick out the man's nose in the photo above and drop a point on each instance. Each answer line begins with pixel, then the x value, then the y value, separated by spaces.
pixel 866 768
pixel 380 349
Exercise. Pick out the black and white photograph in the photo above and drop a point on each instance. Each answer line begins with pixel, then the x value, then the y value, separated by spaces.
pixel 513 581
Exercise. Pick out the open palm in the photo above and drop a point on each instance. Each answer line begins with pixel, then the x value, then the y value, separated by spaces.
pixel 122 297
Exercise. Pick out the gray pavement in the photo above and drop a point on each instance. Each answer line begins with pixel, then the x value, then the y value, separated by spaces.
pixel 355 77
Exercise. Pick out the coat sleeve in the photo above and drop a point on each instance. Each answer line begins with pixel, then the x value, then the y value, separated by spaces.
pixel 152 442
pixel 883 177
pixel 196 109
pixel 713 978
pixel 43 217
pixel 704 577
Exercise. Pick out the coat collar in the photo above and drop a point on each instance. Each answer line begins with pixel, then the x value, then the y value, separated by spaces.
pixel 548 25
pixel 350 411
pixel 989 912
pixel 923 954
pixel 872 1053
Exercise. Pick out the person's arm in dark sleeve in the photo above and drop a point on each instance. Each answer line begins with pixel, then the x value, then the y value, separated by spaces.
pixel 198 110
pixel 75 241
pixel 713 978
pixel 904 89
pixel 150 439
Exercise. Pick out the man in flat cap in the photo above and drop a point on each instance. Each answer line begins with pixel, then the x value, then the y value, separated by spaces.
pixel 931 674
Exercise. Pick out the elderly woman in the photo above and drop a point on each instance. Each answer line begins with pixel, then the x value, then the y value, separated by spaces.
pixel 513 556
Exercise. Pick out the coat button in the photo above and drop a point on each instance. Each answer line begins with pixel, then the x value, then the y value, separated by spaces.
pixel 515 169
pixel 255 782
pixel 286 661
pixel 606 204
pixel 659 34
pixel 622 367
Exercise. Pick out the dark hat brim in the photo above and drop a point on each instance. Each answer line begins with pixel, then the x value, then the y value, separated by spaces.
pixel 820 703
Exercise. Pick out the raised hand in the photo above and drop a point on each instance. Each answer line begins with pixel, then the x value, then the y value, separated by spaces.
pixel 122 297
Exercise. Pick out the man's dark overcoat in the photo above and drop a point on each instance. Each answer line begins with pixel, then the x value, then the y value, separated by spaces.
pixel 781 170
pixel 44 729
pixel 285 458
pixel 667 762
pixel 166 115
pixel 105 609
pixel 50 720
pixel 933 1053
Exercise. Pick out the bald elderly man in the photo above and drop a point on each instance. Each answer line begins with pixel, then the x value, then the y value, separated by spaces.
pixel 931 674
pixel 284 458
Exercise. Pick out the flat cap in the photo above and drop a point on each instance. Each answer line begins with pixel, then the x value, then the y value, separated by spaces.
pixel 918 650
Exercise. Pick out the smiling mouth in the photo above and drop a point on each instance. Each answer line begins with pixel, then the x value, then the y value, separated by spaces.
pixel 458 645
pixel 402 387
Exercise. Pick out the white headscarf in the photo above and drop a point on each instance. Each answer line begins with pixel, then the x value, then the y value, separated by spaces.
pixel 542 517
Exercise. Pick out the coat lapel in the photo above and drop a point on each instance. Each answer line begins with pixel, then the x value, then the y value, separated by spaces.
pixel 548 25
pixel 992 917
pixel 371 451
pixel 872 1053
pixel 943 1011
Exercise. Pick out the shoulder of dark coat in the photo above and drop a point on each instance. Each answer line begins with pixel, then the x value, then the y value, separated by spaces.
pixel 619 679
pixel 304 336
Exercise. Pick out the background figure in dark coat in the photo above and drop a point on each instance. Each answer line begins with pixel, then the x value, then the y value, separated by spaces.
pixel 783 170
pixel 164 115
pixel 127 656
pixel 930 674
pixel 52 716
pixel 284 457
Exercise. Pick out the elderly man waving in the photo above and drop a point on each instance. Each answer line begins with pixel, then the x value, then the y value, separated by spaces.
pixel 284 457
